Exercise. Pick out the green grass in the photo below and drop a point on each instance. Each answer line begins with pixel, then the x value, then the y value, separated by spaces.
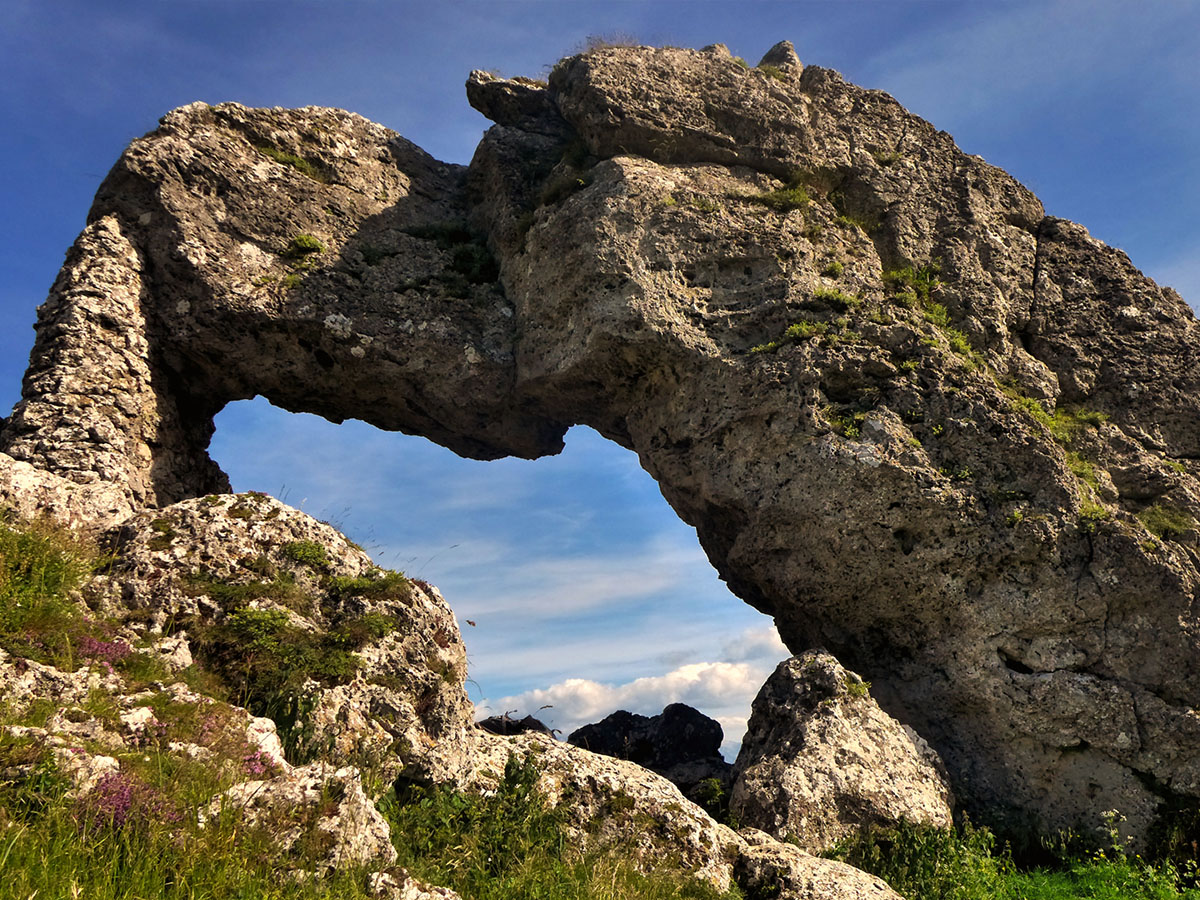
pixel 508 845
pixel 513 844
pixel 1065 424
pixel 41 568
pixel 792 196
pixel 966 863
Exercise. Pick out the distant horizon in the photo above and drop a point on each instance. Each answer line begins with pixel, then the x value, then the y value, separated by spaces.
pixel 588 592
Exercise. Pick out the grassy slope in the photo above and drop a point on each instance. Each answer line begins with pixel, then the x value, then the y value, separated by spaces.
pixel 141 838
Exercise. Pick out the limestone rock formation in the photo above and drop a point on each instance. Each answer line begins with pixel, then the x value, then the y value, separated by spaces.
pixel 768 868
pixel 680 743
pixel 821 760
pixel 314 803
pixel 615 804
pixel 918 421
pixel 199 565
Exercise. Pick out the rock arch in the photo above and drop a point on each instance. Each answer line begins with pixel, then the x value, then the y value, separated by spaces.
pixel 937 474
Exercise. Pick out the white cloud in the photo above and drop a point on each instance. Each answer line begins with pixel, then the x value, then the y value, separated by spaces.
pixel 721 690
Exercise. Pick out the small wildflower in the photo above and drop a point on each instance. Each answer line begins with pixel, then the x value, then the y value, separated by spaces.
pixel 120 800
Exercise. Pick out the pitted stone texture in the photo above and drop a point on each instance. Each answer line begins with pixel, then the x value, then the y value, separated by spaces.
pixel 615 804
pixel 318 805
pixel 406 698
pixel 879 486
pixel 821 760
pixel 769 868
pixel 30 493
pixel 396 884
pixel 187 292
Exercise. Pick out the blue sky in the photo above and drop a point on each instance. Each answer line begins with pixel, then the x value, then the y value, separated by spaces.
pixel 586 591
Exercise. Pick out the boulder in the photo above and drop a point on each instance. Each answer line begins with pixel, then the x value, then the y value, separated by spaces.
pixel 321 808
pixel 208 564
pixel 821 760
pixel 680 743
pixel 613 804
pixel 769 868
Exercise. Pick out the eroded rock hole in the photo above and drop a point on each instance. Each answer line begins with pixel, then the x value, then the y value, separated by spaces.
pixel 569 567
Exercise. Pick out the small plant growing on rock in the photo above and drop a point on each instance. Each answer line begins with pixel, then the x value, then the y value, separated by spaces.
pixel 307 553
pixel 792 196
pixel 837 299
pixel 315 171
pixel 1167 523
pixel 1091 514
pixel 303 245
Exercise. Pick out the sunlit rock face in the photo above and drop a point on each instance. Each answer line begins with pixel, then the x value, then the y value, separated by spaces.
pixel 919 422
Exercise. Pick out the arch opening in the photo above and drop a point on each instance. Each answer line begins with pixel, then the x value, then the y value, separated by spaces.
pixel 587 593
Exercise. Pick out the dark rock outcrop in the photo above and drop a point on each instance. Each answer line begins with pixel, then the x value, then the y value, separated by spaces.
pixel 912 417
pixel 680 743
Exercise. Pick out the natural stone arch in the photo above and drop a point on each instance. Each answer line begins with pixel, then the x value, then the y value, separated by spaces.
pixel 881 479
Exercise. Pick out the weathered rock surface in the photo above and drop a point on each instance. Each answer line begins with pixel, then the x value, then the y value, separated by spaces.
pixel 821 760
pixel 613 803
pixel 680 743
pixel 769 868
pixel 396 884
pixel 316 804
pixel 977 490
pixel 198 562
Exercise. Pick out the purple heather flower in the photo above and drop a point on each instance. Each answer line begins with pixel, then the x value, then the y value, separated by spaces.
pixel 118 800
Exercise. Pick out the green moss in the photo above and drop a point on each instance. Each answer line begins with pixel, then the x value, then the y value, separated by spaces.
pixel 307 553
pixel 314 170
pixel 834 268
pixel 772 72
pixel 792 196
pixel 303 245
pixel 1166 522
pixel 856 688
